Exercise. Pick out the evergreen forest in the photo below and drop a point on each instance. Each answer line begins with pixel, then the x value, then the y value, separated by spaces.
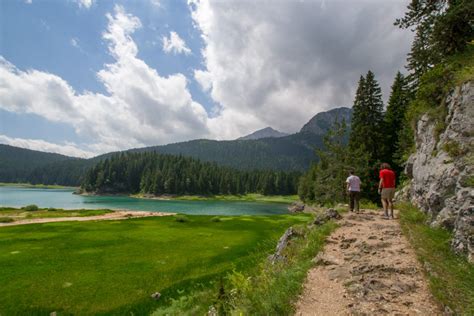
pixel 157 174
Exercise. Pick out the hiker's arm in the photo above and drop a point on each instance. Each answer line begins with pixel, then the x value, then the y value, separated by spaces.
pixel 380 184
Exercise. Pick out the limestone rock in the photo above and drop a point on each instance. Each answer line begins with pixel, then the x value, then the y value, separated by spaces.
pixel 296 207
pixel 442 168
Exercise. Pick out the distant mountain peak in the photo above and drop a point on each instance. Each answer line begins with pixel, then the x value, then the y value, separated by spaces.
pixel 323 121
pixel 266 132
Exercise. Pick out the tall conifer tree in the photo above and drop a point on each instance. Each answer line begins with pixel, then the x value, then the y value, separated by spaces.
pixel 367 118
pixel 395 119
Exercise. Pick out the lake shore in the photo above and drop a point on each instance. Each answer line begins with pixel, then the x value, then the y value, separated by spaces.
pixel 253 197
pixel 36 186
pixel 110 215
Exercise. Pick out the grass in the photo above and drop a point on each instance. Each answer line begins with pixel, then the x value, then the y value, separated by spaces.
pixel 251 197
pixel 265 289
pixel 21 213
pixel 451 277
pixel 35 186
pixel 112 267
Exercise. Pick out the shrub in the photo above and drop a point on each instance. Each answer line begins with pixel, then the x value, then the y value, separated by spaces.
pixel 216 219
pixel 453 149
pixel 52 209
pixel 6 220
pixel 181 218
pixel 31 207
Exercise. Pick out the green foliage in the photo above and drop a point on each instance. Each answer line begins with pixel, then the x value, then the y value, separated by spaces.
pixel 367 119
pixel 6 220
pixel 152 173
pixel 273 289
pixel 325 182
pixel 394 120
pixel 451 277
pixel 115 266
pixel 453 149
pixel 443 28
pixel 31 207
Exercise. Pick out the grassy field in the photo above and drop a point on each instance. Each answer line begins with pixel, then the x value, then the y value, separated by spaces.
pixel 112 267
pixel 35 186
pixel 18 213
pixel 251 197
pixel 451 277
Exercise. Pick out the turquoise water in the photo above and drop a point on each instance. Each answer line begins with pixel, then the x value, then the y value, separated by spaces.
pixel 63 198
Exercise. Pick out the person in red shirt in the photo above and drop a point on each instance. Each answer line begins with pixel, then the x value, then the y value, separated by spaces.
pixel 387 188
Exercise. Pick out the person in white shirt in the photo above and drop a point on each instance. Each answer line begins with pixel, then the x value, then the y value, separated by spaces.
pixel 353 188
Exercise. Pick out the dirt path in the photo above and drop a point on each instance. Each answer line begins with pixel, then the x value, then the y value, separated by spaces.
pixel 116 215
pixel 367 268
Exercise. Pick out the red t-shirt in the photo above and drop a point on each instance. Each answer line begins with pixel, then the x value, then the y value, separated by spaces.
pixel 388 177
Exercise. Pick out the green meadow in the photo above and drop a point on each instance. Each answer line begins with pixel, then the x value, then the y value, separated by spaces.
pixel 112 267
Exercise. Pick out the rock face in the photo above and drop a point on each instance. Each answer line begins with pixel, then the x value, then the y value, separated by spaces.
pixel 322 122
pixel 442 170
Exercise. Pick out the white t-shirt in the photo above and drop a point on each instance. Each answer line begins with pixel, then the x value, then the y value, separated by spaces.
pixel 354 183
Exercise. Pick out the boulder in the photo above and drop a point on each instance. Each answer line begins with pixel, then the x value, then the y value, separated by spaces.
pixel 282 243
pixel 296 207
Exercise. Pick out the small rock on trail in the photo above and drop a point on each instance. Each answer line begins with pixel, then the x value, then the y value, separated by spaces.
pixel 367 268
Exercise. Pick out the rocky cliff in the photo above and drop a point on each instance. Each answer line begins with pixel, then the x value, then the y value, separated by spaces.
pixel 442 169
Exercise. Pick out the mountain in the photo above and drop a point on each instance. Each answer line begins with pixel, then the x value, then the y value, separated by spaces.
pixel 266 132
pixel 293 152
pixel 323 121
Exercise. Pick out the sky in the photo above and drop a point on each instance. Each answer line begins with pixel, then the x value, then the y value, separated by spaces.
pixel 86 77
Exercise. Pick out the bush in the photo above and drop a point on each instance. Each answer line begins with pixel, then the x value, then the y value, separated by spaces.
pixel 6 220
pixel 453 149
pixel 216 219
pixel 31 207
pixel 52 209
pixel 181 218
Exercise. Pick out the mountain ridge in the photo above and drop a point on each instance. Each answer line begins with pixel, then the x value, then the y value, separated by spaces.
pixel 266 132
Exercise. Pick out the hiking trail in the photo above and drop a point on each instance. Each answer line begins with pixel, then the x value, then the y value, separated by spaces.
pixel 366 268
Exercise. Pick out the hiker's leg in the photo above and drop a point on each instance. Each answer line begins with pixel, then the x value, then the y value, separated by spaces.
pixel 356 201
pixel 351 201
pixel 390 203
pixel 385 206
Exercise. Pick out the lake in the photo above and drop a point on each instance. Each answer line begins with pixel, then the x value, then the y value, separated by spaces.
pixel 63 198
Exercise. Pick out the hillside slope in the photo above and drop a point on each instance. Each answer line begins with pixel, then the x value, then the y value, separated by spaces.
pixel 17 164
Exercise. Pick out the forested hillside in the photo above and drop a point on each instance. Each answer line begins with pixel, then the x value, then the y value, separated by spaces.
pixel 158 174
pixel 24 165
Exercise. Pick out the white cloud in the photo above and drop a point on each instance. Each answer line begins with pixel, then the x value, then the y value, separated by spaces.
pixel 156 3
pixel 85 3
pixel 277 63
pixel 265 64
pixel 140 108
pixel 75 42
pixel 175 44
pixel 68 149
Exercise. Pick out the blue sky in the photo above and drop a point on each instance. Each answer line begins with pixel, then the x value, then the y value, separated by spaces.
pixel 40 35
pixel 83 77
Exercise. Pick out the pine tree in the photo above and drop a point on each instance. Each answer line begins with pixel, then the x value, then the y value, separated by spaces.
pixel 443 28
pixel 395 120
pixel 367 119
